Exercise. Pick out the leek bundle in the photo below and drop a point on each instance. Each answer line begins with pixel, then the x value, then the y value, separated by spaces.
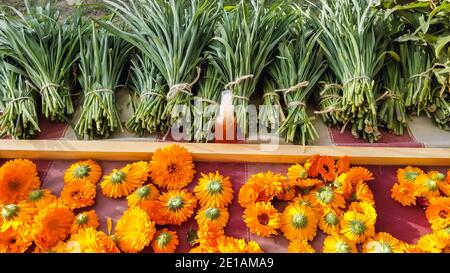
pixel 329 101
pixel 299 66
pixel 246 37
pixel 103 59
pixel 353 41
pixel 148 84
pixel 173 35
pixel 392 110
pixel 47 49
pixel 271 115
pixel 18 101
pixel 206 106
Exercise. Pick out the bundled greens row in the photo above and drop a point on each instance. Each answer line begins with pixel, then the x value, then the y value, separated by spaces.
pixel 361 65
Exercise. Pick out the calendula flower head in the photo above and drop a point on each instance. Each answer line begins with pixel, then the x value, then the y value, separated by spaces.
pixel 326 196
pixel 208 235
pixel 165 241
pixel 16 215
pixel 312 166
pixel 326 168
pixel 299 222
pixel 427 187
pixel 289 191
pixel 383 243
pixel 310 201
pixel 336 243
pixel 342 165
pixel 344 185
pixel 330 220
pixel 408 174
pixel 177 206
pixel 83 171
pixel 233 245
pixel 203 249
pixel 434 242
pixel 357 227
pixel 78 194
pixel 172 167
pixel 261 187
pixel 438 213
pixel 141 169
pixel 297 172
pixel 15 240
pixel 214 190
pixel 210 216
pixel 40 198
pixel 88 240
pixel 262 219
pixel 409 248
pixel 362 193
pixel 17 179
pixel 300 246
pixel 120 183
pixel 405 193
pixel 52 224
pixel 84 220
pixel 145 193
pixel 134 230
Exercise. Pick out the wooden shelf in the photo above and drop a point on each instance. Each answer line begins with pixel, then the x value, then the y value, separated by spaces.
pixel 245 153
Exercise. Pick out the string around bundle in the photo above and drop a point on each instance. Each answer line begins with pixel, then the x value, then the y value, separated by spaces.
pixel 291 89
pixel 152 92
pixel 356 78
pixel 185 88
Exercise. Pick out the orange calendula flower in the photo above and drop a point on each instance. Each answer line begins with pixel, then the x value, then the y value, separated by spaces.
pixel 310 201
pixel 208 236
pixel 408 248
pixel 289 191
pixel 344 185
pixel 15 240
pixel 84 220
pixel 308 183
pixel 299 222
pixel 17 179
pixel 408 174
pixel 141 169
pixel 262 219
pixel 261 187
pixel 166 241
pixel 41 198
pixel 300 246
pixel 121 182
pixel 326 196
pixel 405 193
pixel 312 166
pixel 177 206
pixel 330 220
pixel 434 242
pixel 16 215
pixel 83 171
pixel 90 240
pixel 214 190
pixel 52 224
pixel 134 230
pixel 326 168
pixel 427 186
pixel 343 165
pixel 145 193
pixel 357 174
pixel 383 243
pixel 172 167
pixel 357 227
pixel 78 194
pixel 210 216
pixel 336 243
pixel 362 193
pixel 438 213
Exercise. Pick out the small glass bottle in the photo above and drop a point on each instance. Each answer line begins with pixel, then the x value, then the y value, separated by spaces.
pixel 225 125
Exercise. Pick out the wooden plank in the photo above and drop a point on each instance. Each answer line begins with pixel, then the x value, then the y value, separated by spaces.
pixel 245 153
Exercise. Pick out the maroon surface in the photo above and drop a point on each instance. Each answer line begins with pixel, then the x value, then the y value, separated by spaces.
pixel 405 223
pixel 387 140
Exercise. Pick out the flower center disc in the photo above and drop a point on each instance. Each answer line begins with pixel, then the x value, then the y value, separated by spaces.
pixel 163 239
pixel 82 219
pixel 443 214
pixel 36 195
pixel 13 185
pixel 331 219
pixel 143 192
pixel 299 220
pixel 118 177
pixel 411 176
pixel 175 203
pixel 325 195
pixel 357 227
pixel 214 186
pixel 212 213
pixel 263 219
pixel 81 171
pixel 342 247
pixel 172 168
pixel 10 211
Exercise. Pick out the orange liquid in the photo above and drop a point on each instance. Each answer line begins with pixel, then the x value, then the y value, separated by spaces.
pixel 225 132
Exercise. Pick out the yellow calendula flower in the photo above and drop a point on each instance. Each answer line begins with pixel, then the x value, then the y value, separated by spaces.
pixel 300 246
pixel 427 187
pixel 214 190
pixel 438 213
pixel 40 198
pixel 329 221
pixel 16 215
pixel 297 172
pixel 365 208
pixel 434 242
pixel 408 174
pixel 120 183
pixel 299 222
pixel 212 216
pixel 134 230
pixel 145 193
pixel 232 245
pixel 327 197
pixel 383 243
pixel 357 227
pixel 262 219
pixel 90 240
pixel 405 193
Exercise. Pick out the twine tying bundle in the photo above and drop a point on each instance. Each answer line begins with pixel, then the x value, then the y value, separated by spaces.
pixel 18 99
pixel 388 94
pixel 357 78
pixel 185 88
pixel 152 92
pixel 102 90
pixel 206 100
